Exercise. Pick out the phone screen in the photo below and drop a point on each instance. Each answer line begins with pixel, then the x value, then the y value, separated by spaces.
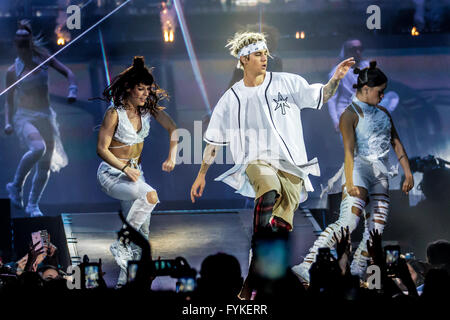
pixel 36 238
pixel 185 285
pixel 91 277
pixel 271 258
pixel 132 270
pixel 392 256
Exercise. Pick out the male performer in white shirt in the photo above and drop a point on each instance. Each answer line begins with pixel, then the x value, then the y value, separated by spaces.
pixel 259 118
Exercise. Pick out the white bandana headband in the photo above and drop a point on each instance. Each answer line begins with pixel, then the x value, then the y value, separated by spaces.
pixel 253 47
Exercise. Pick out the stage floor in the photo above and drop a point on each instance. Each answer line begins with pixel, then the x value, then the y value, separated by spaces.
pixel 192 235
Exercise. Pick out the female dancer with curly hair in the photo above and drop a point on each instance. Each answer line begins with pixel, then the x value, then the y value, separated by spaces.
pixel 33 119
pixel 134 96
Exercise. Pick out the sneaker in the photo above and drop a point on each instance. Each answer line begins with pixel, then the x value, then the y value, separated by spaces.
pixel 302 272
pixel 33 211
pixel 122 254
pixel 15 195
pixel 358 267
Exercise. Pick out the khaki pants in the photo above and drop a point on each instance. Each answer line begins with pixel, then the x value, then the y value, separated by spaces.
pixel 264 178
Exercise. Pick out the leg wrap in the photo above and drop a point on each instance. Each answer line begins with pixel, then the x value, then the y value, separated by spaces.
pixel 263 210
pixel 375 219
pixel 347 218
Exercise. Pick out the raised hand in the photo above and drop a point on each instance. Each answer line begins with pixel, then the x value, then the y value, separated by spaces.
pixel 343 244
pixel 375 248
pixel 343 68
pixel 32 257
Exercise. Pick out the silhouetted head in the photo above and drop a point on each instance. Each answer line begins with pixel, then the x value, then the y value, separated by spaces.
pixel 438 252
pixel 220 277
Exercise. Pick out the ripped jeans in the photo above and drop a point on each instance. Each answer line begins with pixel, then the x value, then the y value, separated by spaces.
pixel 133 200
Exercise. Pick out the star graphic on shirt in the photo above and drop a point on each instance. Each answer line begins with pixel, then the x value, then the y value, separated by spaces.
pixel 282 103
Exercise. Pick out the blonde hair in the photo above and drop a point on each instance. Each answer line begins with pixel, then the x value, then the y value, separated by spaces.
pixel 241 40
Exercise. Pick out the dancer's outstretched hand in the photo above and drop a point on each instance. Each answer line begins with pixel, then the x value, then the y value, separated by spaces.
pixel 343 68
pixel 132 173
pixel 9 129
pixel 197 187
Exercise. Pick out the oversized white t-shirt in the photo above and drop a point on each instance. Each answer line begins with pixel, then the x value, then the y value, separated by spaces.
pixel 264 123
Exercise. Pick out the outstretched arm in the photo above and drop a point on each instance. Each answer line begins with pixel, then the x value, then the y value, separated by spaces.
pixel 167 122
pixel 209 154
pixel 9 106
pixel 65 71
pixel 330 88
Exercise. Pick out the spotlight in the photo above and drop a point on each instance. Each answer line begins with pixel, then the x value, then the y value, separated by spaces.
pixel 300 35
pixel 61 41
pixel 168 21
pixel 166 36
pixel 414 32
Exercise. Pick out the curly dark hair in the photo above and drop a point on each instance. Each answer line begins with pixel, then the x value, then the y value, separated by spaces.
pixel 137 74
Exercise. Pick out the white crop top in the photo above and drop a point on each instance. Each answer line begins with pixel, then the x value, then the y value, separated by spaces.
pixel 125 131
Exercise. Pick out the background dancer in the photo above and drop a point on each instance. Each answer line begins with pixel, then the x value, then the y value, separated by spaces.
pixel 343 97
pixel 135 97
pixel 367 131
pixel 33 119
pixel 259 117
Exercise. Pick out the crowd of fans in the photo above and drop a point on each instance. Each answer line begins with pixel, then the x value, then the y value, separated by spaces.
pixel 220 281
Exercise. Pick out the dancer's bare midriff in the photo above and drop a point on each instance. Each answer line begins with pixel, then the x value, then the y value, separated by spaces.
pixel 126 152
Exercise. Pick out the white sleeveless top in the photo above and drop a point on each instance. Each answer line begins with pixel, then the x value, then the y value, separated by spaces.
pixel 125 131
pixel 373 132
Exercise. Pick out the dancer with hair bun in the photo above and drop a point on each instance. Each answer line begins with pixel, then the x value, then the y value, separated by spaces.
pixel 368 131
pixel 134 96
pixel 32 117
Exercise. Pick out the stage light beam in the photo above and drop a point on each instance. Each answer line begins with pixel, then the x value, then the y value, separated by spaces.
pixel 192 56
